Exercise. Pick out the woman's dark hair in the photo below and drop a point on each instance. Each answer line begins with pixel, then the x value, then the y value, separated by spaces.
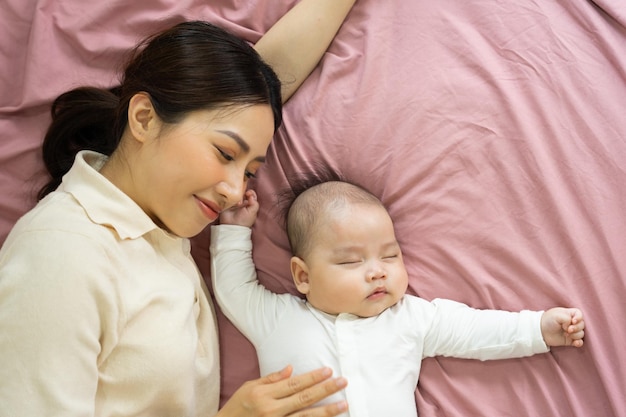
pixel 191 66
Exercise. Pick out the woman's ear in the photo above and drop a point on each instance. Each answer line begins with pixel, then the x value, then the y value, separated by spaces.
pixel 143 121
pixel 300 274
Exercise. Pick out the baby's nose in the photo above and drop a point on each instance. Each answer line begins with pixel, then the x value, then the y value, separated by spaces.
pixel 376 272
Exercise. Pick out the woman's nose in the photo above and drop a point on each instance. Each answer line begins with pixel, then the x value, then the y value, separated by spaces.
pixel 232 189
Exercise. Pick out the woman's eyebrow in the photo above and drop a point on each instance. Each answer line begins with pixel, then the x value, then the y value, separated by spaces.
pixel 242 143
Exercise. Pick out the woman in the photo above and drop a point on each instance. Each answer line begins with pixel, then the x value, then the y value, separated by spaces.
pixel 102 309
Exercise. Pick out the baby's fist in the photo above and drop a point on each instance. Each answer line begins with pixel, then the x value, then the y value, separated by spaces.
pixel 563 327
pixel 244 213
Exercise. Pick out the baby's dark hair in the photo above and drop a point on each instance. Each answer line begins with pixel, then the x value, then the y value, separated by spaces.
pixel 309 201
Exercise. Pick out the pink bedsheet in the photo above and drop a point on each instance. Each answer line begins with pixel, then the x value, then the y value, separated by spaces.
pixel 494 131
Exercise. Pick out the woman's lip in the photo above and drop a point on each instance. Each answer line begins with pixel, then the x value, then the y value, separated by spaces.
pixel 209 209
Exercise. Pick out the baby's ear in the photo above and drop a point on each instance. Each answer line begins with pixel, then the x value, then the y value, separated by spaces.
pixel 300 274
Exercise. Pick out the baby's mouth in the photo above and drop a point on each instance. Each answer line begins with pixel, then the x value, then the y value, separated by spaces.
pixel 377 293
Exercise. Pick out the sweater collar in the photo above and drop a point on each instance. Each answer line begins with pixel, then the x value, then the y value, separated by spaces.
pixel 104 203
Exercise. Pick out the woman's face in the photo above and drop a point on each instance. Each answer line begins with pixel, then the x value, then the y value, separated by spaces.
pixel 196 168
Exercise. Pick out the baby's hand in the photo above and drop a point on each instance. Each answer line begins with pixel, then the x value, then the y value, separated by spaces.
pixel 244 213
pixel 563 327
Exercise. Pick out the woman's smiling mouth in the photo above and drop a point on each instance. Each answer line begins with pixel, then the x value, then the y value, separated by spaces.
pixel 210 210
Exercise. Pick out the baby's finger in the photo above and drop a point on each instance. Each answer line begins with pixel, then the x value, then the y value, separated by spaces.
pixel 250 195
pixel 577 335
pixel 576 327
pixel 577 315
pixel 576 339
pixel 578 342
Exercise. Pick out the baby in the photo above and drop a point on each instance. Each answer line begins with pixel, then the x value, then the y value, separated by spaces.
pixel 357 318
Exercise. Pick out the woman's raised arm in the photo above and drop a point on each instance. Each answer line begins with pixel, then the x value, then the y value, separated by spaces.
pixel 296 43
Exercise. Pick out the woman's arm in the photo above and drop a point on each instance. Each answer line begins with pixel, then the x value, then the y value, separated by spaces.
pixel 296 43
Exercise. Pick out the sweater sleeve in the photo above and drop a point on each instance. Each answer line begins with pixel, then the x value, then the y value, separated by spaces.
pixel 252 308
pixel 57 305
pixel 460 331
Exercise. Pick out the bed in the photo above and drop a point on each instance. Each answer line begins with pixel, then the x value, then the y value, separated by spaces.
pixel 495 133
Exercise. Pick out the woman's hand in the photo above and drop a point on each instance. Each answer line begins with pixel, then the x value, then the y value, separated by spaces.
pixel 279 395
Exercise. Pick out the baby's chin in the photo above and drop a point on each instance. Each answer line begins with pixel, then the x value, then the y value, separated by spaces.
pixel 369 311
pixel 373 313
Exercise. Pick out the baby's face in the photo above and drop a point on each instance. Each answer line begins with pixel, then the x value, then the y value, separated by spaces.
pixel 356 264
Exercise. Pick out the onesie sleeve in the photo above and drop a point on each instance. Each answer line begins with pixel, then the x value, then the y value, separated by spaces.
pixel 460 331
pixel 57 305
pixel 252 308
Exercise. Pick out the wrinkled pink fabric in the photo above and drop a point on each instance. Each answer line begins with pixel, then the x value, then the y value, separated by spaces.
pixel 493 131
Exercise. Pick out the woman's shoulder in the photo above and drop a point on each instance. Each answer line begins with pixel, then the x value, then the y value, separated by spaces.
pixel 58 224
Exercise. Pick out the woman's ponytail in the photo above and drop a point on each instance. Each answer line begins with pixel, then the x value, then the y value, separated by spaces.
pixel 82 119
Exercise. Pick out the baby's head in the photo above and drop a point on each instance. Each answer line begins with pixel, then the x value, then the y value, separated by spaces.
pixel 346 258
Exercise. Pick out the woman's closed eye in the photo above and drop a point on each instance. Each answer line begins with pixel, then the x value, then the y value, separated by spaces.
pixel 229 158
pixel 225 155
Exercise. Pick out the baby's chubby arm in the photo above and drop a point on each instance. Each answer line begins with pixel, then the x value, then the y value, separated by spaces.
pixel 244 213
pixel 563 327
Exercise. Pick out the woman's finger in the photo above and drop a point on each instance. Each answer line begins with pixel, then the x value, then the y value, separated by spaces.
pixel 289 386
pixel 329 410
pixel 304 395
pixel 280 394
